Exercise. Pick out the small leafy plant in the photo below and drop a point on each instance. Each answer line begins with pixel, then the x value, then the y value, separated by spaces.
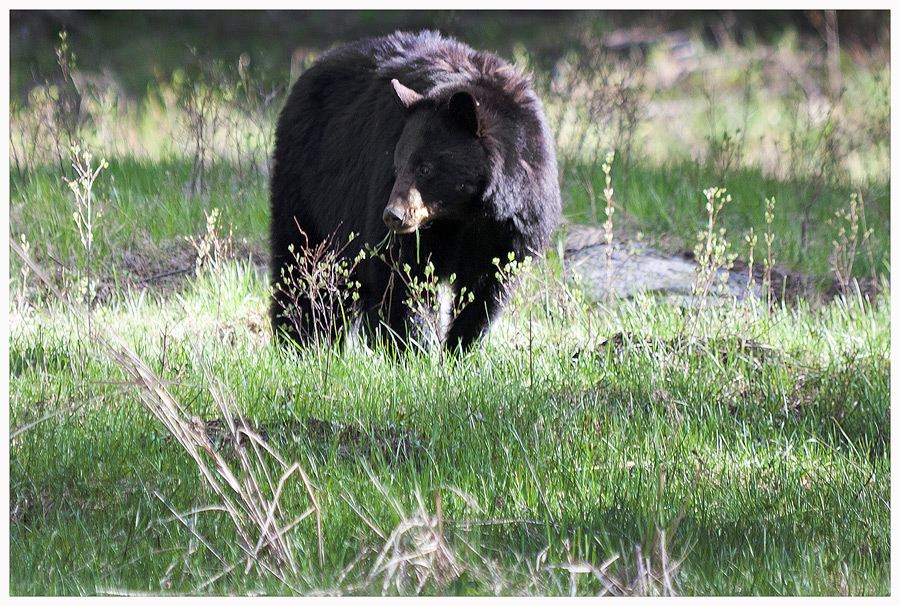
pixel 607 223
pixel 852 233
pixel 320 289
pixel 712 249
pixel 769 262
pixel 86 214
pixel 213 248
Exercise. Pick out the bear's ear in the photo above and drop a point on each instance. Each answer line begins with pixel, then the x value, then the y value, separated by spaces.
pixel 464 111
pixel 405 96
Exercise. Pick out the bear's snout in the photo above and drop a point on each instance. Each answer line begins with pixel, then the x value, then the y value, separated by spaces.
pixel 405 214
pixel 393 217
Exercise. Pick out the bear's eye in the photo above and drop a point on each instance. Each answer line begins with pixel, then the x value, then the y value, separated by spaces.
pixel 424 170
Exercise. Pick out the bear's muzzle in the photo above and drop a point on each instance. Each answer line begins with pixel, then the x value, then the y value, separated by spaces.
pixel 405 214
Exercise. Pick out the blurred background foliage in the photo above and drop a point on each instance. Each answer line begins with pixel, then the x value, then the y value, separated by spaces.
pixel 791 105
pixel 133 47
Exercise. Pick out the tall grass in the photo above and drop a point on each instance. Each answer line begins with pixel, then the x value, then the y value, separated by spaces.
pixel 584 449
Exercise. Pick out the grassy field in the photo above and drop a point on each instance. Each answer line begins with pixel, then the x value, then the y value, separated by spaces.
pixel 160 444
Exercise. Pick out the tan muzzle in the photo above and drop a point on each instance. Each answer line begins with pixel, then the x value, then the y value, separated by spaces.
pixel 405 213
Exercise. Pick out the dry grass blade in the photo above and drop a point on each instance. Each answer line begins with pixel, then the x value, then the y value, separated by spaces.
pixel 416 546
pixel 348 500
pixel 655 575
pixel 268 530
pixel 610 585
pixel 251 511
pixel 190 527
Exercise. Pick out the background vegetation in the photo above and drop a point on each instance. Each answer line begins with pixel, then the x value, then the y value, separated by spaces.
pixel 159 443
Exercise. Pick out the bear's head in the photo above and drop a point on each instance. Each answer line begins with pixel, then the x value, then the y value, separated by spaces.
pixel 441 167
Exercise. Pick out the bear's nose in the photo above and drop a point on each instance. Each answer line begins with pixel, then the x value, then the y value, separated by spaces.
pixel 393 217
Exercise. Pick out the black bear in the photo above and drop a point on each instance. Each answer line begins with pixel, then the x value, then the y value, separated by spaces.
pixel 426 148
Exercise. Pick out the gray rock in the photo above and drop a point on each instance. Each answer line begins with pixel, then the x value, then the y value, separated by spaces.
pixel 635 268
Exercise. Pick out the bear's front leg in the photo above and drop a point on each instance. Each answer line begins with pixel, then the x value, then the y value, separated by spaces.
pixel 474 317
pixel 387 319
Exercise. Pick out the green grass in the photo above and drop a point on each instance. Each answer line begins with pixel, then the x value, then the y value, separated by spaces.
pixel 768 433
pixel 667 201
pixel 628 446
pixel 147 216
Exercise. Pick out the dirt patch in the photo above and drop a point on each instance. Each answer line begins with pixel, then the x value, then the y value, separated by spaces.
pixel 164 268
pixel 723 348
pixel 168 266
pixel 347 440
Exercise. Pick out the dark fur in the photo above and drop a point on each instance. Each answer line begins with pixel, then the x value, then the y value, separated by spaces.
pixel 489 192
